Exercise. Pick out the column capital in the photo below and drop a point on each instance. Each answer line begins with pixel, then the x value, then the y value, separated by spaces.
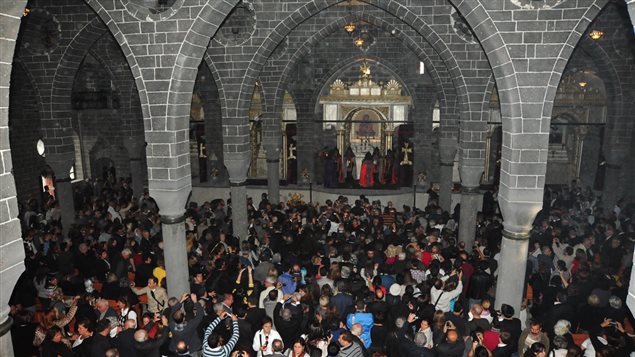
pixel 171 202
pixel 518 217
pixel 237 165
pixel 447 150
pixel 470 175
pixel 134 145
pixel 61 164
pixel 272 152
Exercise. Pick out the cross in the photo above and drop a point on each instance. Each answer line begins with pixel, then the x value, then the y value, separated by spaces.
pixel 406 150
pixel 291 152
pixel 201 151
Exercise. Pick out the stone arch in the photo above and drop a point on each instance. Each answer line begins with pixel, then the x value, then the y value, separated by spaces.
pixel 199 35
pixel 567 50
pixel 493 45
pixel 310 9
pixel 604 63
pixel 38 97
pixel 330 76
pixel 142 13
pixel 219 84
pixel 62 84
pixel 487 95
pixel 12 262
pixel 324 32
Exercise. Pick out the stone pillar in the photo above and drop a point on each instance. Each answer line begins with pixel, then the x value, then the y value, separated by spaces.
pixel 6 346
pixel 172 209
pixel 470 202
pixel 447 151
pixel 518 218
pixel 272 143
pixel 61 165
pixel 470 205
pixel 175 254
pixel 273 180
pixel 134 146
pixel 237 165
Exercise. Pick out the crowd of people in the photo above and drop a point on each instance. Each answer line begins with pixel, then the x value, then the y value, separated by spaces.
pixel 342 278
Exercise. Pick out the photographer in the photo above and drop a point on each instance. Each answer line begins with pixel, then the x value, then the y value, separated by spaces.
pixel 214 345
pixel 184 330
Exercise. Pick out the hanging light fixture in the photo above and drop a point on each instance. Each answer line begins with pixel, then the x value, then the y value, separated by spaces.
pixel 596 35
pixel 582 84
pixel 350 27
pixel 359 41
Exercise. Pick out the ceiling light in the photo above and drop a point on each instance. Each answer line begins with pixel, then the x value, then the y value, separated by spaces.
pixel 596 35
pixel 359 41
pixel 582 84
pixel 26 11
pixel 350 27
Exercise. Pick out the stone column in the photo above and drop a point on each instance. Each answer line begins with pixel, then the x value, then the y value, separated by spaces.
pixel 273 180
pixel 470 202
pixel 134 146
pixel 518 218
pixel 61 165
pixel 447 151
pixel 172 209
pixel 237 165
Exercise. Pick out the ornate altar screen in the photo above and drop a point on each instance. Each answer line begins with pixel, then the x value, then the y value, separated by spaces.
pixel 365 114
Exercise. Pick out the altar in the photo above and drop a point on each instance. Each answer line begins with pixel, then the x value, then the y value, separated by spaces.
pixel 364 114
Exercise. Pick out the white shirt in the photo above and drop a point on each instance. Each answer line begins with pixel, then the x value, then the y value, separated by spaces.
pixel 587 346
pixel 261 340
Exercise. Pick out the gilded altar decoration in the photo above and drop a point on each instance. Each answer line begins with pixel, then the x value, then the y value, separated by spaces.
pixel 295 200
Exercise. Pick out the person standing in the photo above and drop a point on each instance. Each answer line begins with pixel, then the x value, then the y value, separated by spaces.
pixel 157 296
pixel 264 337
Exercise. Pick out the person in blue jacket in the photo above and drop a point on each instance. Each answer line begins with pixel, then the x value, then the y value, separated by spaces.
pixel 363 318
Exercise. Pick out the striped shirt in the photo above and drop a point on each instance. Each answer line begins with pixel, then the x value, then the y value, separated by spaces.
pixel 224 350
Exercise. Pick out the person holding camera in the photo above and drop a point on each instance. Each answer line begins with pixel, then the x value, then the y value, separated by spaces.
pixel 214 345
pixel 184 330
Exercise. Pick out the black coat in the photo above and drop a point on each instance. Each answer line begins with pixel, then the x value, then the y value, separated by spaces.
pixel 479 285
pixel 289 329
pixel 126 344
pixel 100 344
pixel 447 349
pixel 150 348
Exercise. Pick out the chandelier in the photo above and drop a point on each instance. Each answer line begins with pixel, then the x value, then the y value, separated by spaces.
pixel 359 41
pixel 596 35
pixel 350 27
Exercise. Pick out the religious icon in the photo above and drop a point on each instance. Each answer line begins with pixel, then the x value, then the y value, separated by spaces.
pixel 406 151
pixel 291 152
pixel 365 128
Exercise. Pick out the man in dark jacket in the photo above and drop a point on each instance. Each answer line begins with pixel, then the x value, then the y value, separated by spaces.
pixel 100 340
pixel 480 283
pixel 183 330
pixel 287 323
pixel 452 345
pixel 150 348
pixel 125 340
pixel 342 301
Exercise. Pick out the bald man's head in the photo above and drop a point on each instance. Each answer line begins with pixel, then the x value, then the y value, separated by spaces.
pixel 141 335
pixel 130 323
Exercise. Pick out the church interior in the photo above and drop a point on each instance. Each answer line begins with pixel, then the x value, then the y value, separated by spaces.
pixel 397 100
